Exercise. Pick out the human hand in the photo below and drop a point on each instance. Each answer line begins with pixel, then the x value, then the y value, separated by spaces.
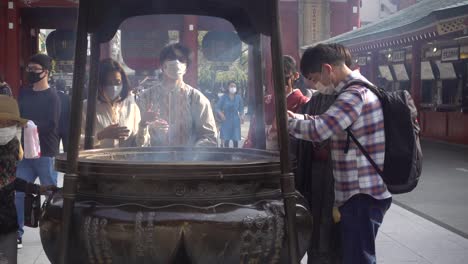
pixel 161 124
pixel 291 114
pixel 113 132
pixel 336 215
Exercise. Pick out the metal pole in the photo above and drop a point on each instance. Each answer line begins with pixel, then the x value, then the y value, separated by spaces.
pixel 92 92
pixel 259 125
pixel 287 178
pixel 71 177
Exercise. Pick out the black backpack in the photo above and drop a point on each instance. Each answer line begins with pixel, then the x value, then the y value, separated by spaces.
pixel 403 155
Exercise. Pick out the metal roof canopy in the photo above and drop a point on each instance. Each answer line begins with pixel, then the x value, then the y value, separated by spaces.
pixel 248 17
pixel 417 17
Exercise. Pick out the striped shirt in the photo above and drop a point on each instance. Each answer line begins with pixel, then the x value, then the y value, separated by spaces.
pixel 359 109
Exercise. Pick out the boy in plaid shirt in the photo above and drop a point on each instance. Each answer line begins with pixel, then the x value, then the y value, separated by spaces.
pixel 360 193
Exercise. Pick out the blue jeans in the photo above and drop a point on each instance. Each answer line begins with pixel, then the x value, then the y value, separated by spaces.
pixel 29 170
pixel 361 217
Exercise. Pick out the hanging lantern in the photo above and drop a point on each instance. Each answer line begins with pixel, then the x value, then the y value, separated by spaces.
pixel 221 46
pixel 60 45
pixel 142 40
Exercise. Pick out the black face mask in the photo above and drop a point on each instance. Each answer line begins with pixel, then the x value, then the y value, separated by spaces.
pixel 34 77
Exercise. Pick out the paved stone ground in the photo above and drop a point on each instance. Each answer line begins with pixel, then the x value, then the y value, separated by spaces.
pixel 442 193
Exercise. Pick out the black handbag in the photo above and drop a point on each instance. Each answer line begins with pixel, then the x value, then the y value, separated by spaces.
pixel 32 209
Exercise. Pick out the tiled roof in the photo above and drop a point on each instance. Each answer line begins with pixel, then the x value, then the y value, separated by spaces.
pixel 417 16
pixel 460 3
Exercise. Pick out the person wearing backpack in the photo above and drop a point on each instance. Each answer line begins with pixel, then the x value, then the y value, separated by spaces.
pixel 361 195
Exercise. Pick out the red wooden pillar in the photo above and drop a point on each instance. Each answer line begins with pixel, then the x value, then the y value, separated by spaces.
pixel 416 73
pixel 189 38
pixel 3 29
pixel 354 19
pixel 11 48
pixel 290 28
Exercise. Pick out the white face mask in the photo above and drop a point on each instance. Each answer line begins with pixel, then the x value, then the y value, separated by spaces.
pixel 7 134
pixel 233 90
pixel 325 89
pixel 113 91
pixel 174 69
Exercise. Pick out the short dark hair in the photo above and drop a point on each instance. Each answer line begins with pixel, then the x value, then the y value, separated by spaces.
pixel 107 66
pixel 315 57
pixel 43 60
pixel 175 51
pixel 231 81
pixel 345 52
pixel 289 65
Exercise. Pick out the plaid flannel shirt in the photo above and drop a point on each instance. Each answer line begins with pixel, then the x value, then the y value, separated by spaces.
pixel 359 109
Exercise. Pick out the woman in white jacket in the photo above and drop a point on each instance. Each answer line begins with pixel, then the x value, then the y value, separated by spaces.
pixel 118 120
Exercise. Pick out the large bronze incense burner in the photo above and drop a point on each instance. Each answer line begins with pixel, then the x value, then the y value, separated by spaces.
pixel 176 205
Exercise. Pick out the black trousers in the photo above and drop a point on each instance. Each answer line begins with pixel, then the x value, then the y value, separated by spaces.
pixel 361 217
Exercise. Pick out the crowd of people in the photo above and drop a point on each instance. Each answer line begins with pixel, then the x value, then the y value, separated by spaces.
pixel 347 197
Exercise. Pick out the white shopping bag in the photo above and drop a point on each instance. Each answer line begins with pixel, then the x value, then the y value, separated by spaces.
pixel 32 148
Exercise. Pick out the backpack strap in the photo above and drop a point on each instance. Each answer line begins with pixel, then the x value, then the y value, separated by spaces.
pixel 356 82
pixel 350 134
pixel 363 150
pixel 371 87
pixel 348 140
pixel 348 130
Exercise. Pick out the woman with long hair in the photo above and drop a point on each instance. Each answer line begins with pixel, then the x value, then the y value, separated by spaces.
pixel 118 120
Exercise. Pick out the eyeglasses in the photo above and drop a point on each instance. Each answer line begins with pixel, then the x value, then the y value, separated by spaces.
pixel 34 69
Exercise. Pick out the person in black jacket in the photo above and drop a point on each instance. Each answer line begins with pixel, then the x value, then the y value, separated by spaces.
pixel 10 122
pixel 40 104
pixel 314 180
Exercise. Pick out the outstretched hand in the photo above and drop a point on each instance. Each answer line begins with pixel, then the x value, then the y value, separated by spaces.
pixel 113 132
pixel 291 114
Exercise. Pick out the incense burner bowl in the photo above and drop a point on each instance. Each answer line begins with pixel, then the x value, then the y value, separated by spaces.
pixel 175 205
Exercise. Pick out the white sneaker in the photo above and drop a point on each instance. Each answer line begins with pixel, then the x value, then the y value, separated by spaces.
pixel 19 243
